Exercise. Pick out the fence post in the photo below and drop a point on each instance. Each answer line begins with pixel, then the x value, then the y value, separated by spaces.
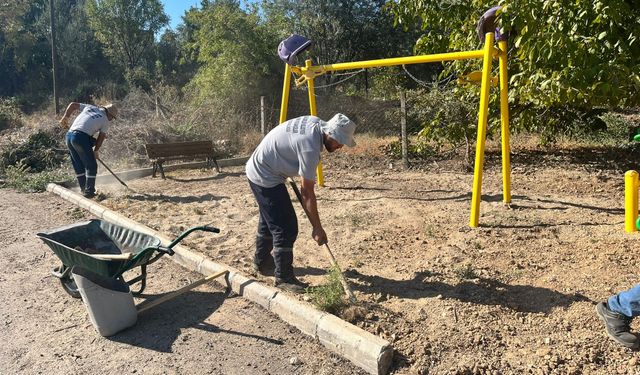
pixel 403 129
pixel 263 123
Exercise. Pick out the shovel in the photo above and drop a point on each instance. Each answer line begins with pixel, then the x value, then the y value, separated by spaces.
pixel 334 263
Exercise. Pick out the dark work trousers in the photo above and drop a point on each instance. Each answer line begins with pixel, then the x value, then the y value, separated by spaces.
pixel 277 228
pixel 83 159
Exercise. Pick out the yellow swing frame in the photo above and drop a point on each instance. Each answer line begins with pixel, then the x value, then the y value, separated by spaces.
pixel 308 73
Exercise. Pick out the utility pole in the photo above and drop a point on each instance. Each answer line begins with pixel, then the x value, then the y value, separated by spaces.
pixel 53 57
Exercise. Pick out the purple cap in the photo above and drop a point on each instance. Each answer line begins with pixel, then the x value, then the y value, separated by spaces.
pixel 290 47
pixel 486 24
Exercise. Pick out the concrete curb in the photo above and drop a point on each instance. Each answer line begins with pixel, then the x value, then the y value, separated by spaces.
pixel 364 349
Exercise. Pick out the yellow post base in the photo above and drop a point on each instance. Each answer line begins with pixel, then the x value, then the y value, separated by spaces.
pixel 630 201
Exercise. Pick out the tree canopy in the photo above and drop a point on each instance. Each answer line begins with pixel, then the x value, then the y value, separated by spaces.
pixel 565 58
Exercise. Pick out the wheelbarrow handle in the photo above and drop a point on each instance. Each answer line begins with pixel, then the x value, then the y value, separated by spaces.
pixel 205 228
pixel 166 250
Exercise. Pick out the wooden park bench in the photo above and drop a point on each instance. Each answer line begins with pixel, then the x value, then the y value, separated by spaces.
pixel 158 153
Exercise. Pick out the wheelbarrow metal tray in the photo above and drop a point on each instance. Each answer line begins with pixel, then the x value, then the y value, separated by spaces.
pixel 100 237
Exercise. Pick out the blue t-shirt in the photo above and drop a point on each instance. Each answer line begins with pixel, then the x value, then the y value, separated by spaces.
pixel 291 149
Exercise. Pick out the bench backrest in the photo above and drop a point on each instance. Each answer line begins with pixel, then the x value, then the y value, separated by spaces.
pixel 164 150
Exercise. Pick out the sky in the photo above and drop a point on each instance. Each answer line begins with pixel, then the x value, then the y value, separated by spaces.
pixel 175 9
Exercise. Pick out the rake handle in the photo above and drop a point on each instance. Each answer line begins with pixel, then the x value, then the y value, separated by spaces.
pixel 332 259
pixel 110 171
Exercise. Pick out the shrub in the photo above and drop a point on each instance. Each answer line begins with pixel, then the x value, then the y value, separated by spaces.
pixel 329 297
pixel 445 117
pixel 43 150
pixel 10 114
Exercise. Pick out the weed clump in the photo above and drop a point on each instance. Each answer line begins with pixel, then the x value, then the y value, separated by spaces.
pixel 466 272
pixel 329 297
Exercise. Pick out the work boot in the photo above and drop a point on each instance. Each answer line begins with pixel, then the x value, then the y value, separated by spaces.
pixel 82 182
pixel 266 267
pixel 89 194
pixel 292 285
pixel 618 326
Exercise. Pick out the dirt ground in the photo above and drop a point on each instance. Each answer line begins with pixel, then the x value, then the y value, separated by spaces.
pixel 515 296
pixel 45 331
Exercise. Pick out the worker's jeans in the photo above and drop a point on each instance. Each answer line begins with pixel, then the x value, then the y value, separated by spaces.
pixel 277 228
pixel 84 161
pixel 626 303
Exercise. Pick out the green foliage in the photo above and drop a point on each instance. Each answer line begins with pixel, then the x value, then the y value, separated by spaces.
pixel 566 58
pixel 235 51
pixel 127 28
pixel 329 297
pixel 40 152
pixel 341 31
pixel 611 129
pixel 421 149
pixel 18 177
pixel 466 272
pixel 25 54
pixel 10 114
pixel 442 116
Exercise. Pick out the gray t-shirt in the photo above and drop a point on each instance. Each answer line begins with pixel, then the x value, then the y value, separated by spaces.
pixel 91 120
pixel 291 149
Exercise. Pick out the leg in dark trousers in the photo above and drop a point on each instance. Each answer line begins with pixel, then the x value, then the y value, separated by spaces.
pixel 83 159
pixel 277 219
pixel 76 161
pixel 263 260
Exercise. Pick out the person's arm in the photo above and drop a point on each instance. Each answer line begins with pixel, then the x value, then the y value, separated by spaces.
pixel 101 137
pixel 307 191
pixel 72 107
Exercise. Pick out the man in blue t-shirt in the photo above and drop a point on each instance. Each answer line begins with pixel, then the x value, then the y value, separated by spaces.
pixel 83 148
pixel 291 149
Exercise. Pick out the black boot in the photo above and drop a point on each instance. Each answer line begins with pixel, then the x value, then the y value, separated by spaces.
pixel 617 326
pixel 90 190
pixel 285 279
pixel 263 262
pixel 264 267
pixel 291 284
pixel 82 182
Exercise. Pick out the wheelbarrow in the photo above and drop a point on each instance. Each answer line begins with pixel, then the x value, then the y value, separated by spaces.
pixel 107 249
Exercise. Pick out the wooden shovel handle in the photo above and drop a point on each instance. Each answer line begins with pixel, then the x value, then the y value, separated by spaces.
pixel 146 306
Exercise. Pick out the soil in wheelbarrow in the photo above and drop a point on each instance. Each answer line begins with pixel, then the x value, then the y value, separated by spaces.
pixel 514 296
pixel 45 331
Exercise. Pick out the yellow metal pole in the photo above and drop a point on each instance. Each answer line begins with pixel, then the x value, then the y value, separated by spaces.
pixel 630 201
pixel 286 88
pixel 482 130
pixel 450 56
pixel 313 110
pixel 504 121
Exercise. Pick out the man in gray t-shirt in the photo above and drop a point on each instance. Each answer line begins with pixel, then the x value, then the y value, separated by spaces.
pixel 291 149
pixel 83 147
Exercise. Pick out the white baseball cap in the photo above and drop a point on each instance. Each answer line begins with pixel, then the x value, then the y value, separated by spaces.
pixel 341 129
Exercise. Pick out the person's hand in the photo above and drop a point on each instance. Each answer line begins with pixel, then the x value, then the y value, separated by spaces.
pixel 95 153
pixel 319 236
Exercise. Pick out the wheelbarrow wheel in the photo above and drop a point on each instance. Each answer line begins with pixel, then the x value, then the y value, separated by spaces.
pixel 69 286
